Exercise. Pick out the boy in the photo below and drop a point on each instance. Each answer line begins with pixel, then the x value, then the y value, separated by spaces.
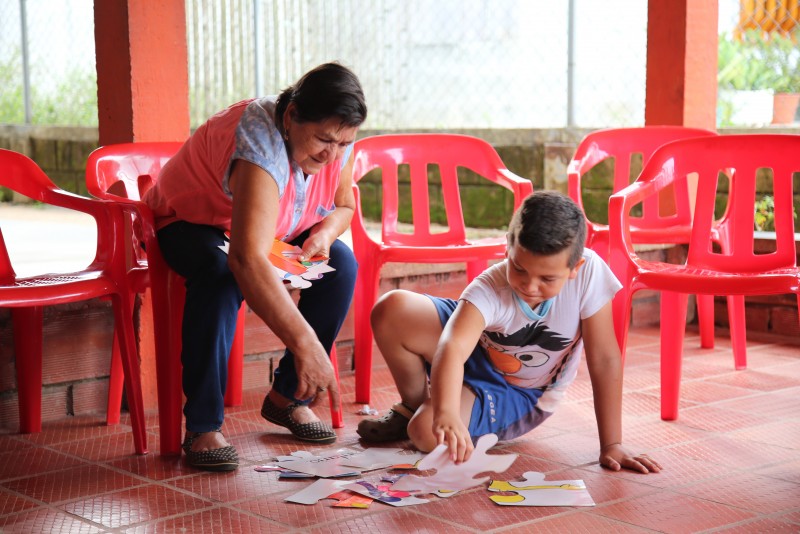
pixel 501 357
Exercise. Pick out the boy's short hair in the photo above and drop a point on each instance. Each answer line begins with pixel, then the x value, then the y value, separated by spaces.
pixel 547 223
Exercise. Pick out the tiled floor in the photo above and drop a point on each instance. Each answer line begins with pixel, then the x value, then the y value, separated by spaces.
pixel 732 464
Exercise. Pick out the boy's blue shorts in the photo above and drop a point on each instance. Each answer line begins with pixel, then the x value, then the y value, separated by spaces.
pixel 500 408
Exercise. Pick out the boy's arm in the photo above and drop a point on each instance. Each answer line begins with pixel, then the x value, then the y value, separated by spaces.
pixel 605 370
pixel 458 340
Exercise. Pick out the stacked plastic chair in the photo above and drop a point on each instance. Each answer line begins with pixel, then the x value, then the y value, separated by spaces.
pixel 110 275
pixel 730 268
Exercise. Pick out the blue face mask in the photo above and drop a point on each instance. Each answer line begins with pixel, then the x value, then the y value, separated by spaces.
pixel 541 309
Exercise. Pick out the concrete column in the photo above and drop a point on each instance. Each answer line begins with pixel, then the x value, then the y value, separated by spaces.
pixel 142 70
pixel 682 63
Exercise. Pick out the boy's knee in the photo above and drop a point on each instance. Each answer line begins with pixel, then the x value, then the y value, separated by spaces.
pixel 387 308
pixel 420 434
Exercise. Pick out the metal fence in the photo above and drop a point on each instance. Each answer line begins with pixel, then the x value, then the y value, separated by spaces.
pixel 423 63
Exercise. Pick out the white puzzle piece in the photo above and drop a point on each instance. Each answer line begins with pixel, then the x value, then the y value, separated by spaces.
pixel 534 490
pixel 325 465
pixel 451 477
pixel 320 489
pixel 381 458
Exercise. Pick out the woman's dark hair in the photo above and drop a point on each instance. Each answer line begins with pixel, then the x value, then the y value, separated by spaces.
pixel 329 90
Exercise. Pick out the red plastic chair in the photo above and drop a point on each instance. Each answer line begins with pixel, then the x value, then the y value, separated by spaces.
pixel 123 173
pixel 732 269
pixel 110 275
pixel 621 145
pixel 419 151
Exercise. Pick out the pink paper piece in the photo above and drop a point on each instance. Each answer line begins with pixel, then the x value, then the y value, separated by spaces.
pixel 451 477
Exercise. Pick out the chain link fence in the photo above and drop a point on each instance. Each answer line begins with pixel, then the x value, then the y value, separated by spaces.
pixel 432 64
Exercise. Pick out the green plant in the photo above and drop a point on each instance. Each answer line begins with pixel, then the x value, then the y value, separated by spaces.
pixel 759 61
pixel 783 58
pixel 765 214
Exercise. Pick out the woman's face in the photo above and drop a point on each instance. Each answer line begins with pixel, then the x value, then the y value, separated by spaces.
pixel 312 145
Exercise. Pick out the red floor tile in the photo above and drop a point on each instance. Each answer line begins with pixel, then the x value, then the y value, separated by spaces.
pixel 731 463
pixel 673 513
pixel 214 521
pixel 137 505
pixel 73 483
pixel 45 520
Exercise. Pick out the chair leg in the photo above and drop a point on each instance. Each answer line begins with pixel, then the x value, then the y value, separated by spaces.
pixel 705 318
pixel 673 330
pixel 123 327
pixel 116 379
pixel 337 417
pixel 366 293
pixel 167 293
pixel 738 326
pixel 233 389
pixel 621 310
pixel 28 355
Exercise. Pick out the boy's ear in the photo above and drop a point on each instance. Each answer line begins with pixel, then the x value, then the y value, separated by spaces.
pixel 574 272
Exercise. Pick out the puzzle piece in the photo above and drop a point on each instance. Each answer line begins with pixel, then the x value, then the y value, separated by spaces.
pixel 384 493
pixel 451 477
pixel 534 490
pixel 320 489
pixel 326 465
pixel 283 258
pixel 382 457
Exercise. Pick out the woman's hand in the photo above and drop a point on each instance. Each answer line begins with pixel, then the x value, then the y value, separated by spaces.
pixel 615 457
pixel 315 374
pixel 316 244
pixel 448 428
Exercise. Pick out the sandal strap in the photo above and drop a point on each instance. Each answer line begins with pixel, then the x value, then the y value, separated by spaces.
pixel 402 409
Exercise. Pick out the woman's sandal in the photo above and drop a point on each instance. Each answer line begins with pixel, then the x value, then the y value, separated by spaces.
pixel 391 427
pixel 316 432
pixel 222 459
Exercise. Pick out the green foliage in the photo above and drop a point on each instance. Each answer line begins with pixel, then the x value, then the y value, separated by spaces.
pixel 73 102
pixel 12 110
pixel 765 214
pixel 759 61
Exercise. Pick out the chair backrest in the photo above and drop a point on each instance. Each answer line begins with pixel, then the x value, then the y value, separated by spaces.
pixel 21 174
pixel 745 159
pixel 421 153
pixel 621 144
pixel 134 166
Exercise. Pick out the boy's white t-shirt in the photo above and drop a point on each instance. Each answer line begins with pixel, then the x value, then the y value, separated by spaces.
pixel 539 348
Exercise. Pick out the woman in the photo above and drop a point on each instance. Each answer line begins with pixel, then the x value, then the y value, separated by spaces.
pixel 263 169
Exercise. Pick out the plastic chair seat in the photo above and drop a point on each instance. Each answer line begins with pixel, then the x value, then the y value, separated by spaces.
pixel 734 269
pixel 110 275
pixel 419 152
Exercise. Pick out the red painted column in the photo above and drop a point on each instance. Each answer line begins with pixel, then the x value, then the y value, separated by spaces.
pixel 682 63
pixel 142 70
pixel 142 95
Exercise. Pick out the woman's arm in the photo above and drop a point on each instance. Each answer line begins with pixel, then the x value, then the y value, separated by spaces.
pixel 255 213
pixel 331 227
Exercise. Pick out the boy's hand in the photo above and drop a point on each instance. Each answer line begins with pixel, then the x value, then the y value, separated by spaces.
pixel 450 430
pixel 615 457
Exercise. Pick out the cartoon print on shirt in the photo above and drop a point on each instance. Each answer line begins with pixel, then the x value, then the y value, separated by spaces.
pixel 516 356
